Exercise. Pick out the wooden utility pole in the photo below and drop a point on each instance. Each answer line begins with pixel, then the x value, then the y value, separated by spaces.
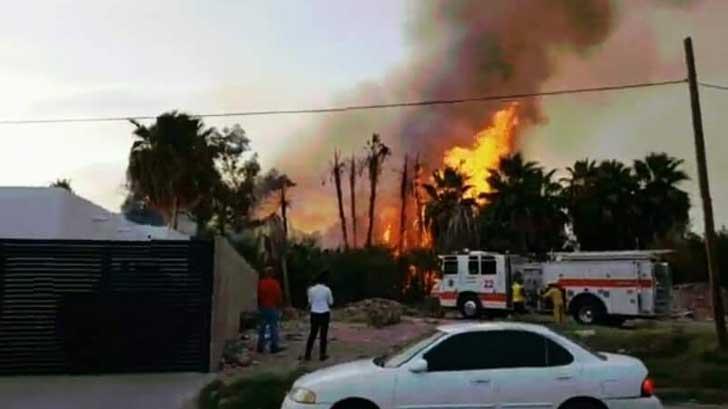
pixel 285 182
pixel 713 273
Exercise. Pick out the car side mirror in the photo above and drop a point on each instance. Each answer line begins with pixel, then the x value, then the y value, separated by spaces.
pixel 418 366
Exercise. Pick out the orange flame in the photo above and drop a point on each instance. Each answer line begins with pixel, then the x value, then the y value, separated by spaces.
pixel 387 235
pixel 489 145
pixel 425 279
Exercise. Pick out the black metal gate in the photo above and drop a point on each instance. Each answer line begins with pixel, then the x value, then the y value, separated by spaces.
pixel 104 306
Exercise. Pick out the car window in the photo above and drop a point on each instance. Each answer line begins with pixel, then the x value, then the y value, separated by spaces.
pixel 404 354
pixel 496 350
pixel 556 355
pixel 461 352
pixel 488 266
pixel 450 266
pixel 473 266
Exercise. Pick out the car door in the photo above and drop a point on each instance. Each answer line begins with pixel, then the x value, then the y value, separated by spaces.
pixel 455 378
pixel 533 371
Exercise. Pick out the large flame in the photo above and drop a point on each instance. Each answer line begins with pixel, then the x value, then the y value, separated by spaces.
pixel 387 235
pixel 489 145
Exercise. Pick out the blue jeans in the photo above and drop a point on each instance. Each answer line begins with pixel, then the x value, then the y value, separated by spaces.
pixel 268 318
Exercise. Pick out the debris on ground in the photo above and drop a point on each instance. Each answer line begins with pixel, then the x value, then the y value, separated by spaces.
pixel 376 312
pixel 291 314
pixel 236 353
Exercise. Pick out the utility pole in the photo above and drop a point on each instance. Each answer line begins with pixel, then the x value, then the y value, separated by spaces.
pixel 713 273
pixel 285 183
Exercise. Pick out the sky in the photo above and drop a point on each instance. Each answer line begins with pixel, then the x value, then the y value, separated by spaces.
pixel 86 58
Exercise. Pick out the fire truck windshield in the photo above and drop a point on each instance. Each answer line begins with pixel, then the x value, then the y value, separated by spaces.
pixel 449 266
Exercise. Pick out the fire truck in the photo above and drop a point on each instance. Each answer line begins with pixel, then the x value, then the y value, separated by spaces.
pixel 599 287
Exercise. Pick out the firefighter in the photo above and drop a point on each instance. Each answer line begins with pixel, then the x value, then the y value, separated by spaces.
pixel 556 296
pixel 519 300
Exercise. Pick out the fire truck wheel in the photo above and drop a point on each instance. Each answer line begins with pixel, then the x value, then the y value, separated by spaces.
pixel 589 311
pixel 470 307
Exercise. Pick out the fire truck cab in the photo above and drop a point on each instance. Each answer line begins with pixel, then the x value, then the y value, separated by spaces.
pixel 598 286
pixel 474 282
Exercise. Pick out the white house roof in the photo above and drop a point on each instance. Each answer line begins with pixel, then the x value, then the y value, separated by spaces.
pixel 54 213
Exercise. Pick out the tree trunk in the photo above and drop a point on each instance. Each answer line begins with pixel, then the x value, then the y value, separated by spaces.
pixel 418 203
pixel 175 213
pixel 373 176
pixel 403 209
pixel 337 181
pixel 284 249
pixel 352 189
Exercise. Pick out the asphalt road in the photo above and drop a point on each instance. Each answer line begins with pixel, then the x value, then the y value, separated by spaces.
pixel 154 391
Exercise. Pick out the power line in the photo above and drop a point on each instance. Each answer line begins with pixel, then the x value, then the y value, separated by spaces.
pixel 356 107
pixel 714 86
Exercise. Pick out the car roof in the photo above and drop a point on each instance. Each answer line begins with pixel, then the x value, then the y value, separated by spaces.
pixel 493 326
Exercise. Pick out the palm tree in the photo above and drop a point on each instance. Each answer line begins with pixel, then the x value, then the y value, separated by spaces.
pixel 664 207
pixel 523 210
pixel 63 184
pixel 377 153
pixel 601 200
pixel 172 164
pixel 336 170
pixel 449 213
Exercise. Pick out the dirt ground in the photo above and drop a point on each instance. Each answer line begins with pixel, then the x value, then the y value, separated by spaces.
pixel 347 341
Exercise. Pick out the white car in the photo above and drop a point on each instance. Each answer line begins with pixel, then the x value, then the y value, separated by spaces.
pixel 481 365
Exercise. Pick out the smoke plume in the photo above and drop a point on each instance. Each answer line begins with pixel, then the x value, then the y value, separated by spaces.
pixel 459 48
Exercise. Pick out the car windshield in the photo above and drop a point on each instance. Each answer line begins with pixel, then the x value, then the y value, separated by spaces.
pixel 403 354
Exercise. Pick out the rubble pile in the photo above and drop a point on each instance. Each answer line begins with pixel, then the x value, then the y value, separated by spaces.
pixel 376 312
pixel 236 354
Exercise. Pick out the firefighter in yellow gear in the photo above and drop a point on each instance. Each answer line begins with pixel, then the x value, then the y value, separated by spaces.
pixel 556 296
pixel 519 300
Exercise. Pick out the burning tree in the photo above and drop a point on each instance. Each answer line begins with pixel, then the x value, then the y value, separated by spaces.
pixel 403 194
pixel 354 171
pixel 450 213
pixel 336 169
pixel 377 153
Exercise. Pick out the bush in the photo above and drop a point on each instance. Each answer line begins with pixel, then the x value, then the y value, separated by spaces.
pixel 264 392
pixel 365 273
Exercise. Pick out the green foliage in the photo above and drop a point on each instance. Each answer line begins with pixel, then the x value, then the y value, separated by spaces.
pixel 663 349
pixel 450 213
pixel 613 206
pixel 171 164
pixel 135 210
pixel 233 195
pixel 305 261
pixel 688 262
pixel 177 164
pixel 365 273
pixel 63 184
pixel 263 392
pixel 524 210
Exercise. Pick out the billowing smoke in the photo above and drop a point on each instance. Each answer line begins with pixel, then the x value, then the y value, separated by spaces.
pixel 460 48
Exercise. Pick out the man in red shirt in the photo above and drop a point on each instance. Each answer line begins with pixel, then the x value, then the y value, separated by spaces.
pixel 270 299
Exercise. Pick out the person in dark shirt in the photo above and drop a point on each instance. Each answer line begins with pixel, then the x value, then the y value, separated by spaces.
pixel 270 299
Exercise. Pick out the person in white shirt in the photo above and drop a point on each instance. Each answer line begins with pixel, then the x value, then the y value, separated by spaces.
pixel 320 301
